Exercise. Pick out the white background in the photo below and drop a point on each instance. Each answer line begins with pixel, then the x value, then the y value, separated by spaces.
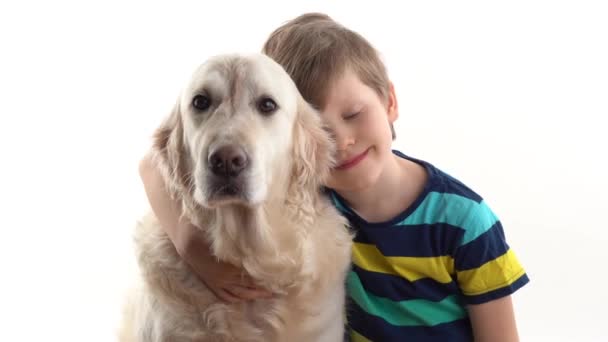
pixel 510 97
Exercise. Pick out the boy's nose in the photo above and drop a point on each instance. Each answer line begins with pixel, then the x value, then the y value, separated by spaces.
pixel 343 141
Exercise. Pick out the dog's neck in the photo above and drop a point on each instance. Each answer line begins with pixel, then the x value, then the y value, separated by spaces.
pixel 233 232
pixel 238 231
pixel 266 242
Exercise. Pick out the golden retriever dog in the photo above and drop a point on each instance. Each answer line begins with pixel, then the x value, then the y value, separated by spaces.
pixel 246 157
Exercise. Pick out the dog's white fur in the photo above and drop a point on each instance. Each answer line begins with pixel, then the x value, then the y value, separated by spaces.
pixel 280 228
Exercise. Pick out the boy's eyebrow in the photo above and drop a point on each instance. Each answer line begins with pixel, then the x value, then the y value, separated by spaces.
pixel 355 108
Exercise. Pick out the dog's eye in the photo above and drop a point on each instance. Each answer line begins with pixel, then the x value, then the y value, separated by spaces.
pixel 267 106
pixel 201 102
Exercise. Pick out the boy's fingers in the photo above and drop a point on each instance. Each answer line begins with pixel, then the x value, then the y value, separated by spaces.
pixel 261 292
pixel 249 293
pixel 245 280
pixel 228 297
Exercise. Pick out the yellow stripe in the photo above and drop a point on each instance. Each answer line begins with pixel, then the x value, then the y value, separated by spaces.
pixel 355 337
pixel 492 275
pixel 369 258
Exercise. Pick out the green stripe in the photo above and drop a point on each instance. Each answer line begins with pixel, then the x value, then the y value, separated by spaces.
pixel 475 218
pixel 415 312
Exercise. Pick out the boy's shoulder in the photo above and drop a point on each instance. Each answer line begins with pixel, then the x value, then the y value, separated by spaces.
pixel 440 182
pixel 448 200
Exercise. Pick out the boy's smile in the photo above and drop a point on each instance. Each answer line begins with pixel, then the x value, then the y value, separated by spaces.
pixel 349 163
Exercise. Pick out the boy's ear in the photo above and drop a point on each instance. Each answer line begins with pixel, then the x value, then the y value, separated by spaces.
pixel 392 105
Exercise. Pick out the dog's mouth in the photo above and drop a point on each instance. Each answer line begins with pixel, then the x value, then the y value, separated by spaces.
pixel 226 191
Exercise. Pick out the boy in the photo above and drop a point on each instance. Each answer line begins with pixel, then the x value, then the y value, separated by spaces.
pixel 430 261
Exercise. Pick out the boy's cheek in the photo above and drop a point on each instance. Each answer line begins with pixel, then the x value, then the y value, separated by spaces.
pixel 332 181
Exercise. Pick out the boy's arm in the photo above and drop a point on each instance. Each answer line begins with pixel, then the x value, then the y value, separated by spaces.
pixel 166 211
pixel 224 280
pixel 494 321
pixel 488 273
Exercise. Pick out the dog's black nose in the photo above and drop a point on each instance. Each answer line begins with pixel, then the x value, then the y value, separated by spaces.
pixel 228 160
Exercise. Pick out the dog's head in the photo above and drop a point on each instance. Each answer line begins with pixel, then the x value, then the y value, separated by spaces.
pixel 241 132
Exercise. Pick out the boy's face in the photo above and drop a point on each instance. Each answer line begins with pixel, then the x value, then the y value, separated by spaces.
pixel 360 121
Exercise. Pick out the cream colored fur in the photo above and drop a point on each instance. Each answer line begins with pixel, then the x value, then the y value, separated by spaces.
pixel 283 231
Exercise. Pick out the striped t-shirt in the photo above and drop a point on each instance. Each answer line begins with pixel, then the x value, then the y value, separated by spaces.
pixel 413 276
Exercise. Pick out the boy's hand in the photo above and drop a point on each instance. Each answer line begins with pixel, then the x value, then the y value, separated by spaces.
pixel 227 282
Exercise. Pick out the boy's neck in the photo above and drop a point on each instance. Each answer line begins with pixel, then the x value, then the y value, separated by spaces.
pixel 398 186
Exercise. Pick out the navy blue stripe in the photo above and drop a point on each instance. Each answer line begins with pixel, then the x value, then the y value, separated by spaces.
pixel 487 247
pixel 377 329
pixel 397 288
pixel 413 241
pixel 451 185
pixel 499 293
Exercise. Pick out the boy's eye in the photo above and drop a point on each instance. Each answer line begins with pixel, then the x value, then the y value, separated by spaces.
pixel 351 116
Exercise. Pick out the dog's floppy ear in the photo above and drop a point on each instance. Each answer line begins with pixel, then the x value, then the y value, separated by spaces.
pixel 313 150
pixel 171 153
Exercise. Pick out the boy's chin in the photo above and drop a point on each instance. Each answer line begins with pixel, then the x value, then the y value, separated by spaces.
pixel 353 182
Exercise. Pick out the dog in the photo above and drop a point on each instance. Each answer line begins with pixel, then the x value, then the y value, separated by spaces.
pixel 246 156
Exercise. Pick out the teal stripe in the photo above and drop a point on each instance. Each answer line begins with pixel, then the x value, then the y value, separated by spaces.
pixel 337 203
pixel 414 312
pixel 475 218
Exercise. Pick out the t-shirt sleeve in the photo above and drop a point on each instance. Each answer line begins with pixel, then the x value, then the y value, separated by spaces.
pixel 486 267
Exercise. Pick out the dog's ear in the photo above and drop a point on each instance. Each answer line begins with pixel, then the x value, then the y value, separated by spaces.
pixel 171 153
pixel 313 149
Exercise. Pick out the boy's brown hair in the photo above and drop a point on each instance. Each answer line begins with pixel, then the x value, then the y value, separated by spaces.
pixel 315 50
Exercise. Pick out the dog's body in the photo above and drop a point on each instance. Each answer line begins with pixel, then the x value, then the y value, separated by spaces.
pixel 245 155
